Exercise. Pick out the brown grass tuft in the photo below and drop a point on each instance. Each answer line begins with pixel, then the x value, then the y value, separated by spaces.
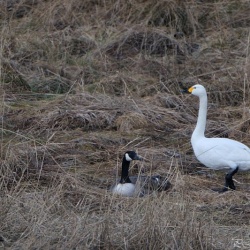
pixel 131 121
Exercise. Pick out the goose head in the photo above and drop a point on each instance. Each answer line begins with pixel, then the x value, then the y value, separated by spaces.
pixel 197 90
pixel 127 158
pixel 132 156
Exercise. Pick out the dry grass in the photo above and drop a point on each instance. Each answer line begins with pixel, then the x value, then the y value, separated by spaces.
pixel 83 81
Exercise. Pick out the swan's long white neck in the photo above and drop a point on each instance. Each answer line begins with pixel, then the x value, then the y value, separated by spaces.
pixel 199 131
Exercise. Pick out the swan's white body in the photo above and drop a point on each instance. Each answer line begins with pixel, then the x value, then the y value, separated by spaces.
pixel 216 153
pixel 222 153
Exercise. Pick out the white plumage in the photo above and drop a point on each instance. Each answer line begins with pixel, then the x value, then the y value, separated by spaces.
pixel 217 153
pixel 124 189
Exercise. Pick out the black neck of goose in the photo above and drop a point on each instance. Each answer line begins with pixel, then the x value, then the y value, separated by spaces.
pixel 125 168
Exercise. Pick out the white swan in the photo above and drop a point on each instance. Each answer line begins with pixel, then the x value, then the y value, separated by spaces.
pixel 217 153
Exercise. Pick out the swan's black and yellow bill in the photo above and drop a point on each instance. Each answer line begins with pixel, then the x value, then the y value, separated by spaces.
pixel 187 90
pixel 190 90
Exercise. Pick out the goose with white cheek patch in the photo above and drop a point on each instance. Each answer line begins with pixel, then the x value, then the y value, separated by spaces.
pixel 125 187
pixel 217 153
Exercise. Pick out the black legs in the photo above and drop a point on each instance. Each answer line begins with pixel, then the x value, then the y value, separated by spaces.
pixel 229 183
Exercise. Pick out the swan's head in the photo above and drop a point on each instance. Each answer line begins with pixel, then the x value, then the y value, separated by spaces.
pixel 197 90
pixel 131 156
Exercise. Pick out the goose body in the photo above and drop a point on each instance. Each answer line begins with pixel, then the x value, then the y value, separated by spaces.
pixel 148 184
pixel 217 153
pixel 137 185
